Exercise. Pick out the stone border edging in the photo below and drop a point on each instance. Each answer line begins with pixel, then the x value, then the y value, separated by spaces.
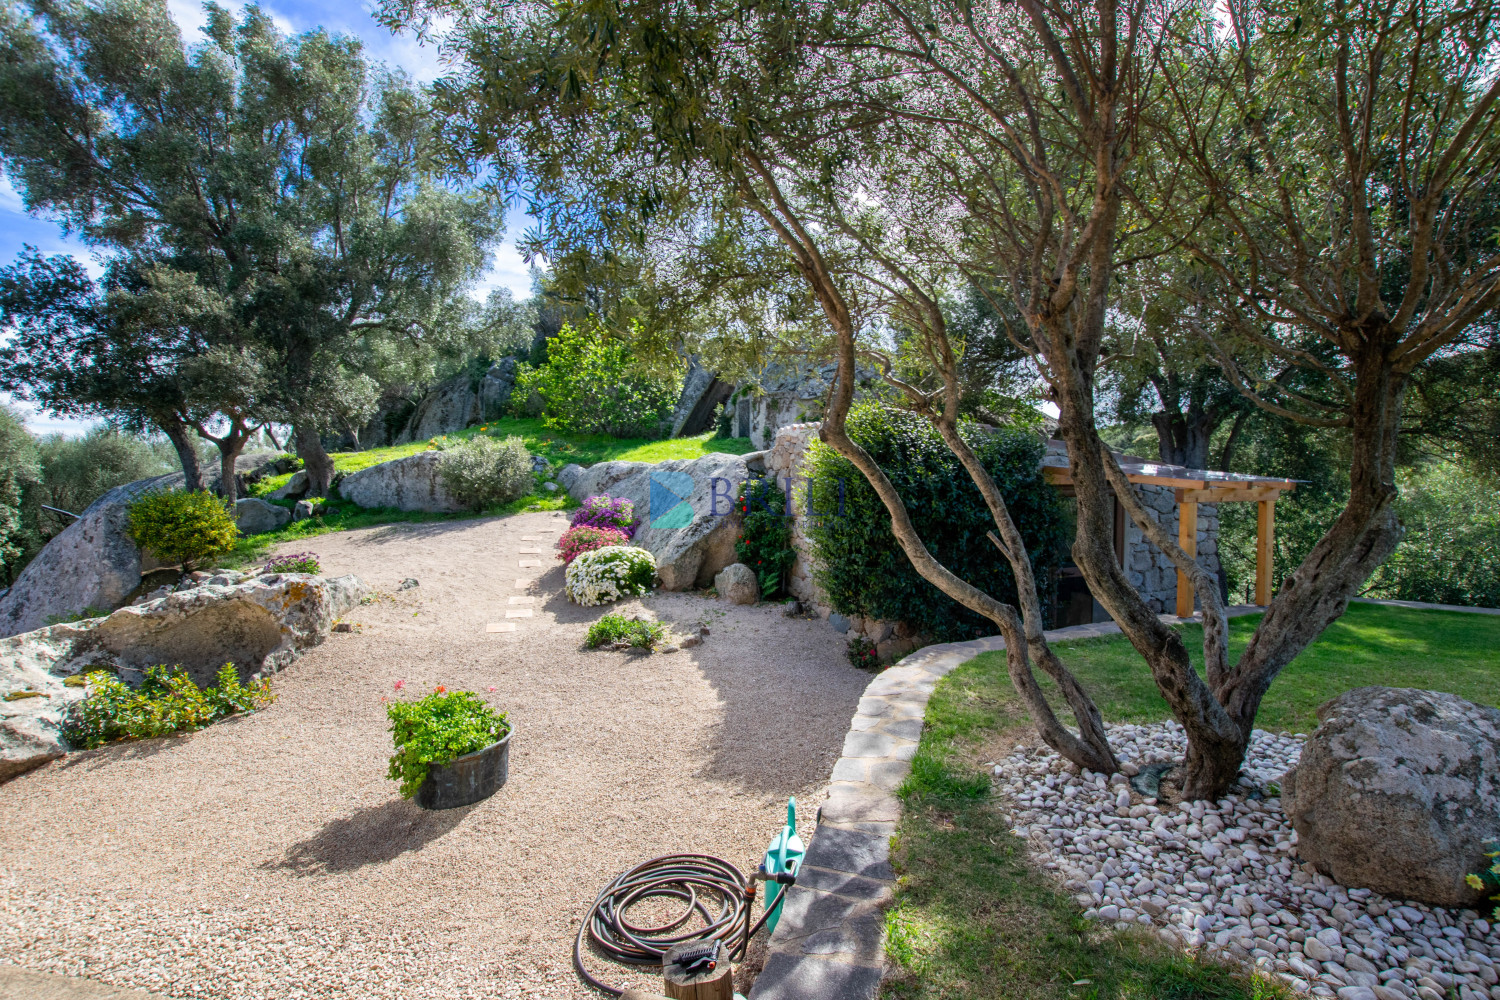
pixel 830 941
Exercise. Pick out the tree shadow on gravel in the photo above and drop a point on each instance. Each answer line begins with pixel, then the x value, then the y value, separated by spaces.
pixel 370 836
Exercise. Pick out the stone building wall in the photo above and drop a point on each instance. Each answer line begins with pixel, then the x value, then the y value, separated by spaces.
pixel 1147 567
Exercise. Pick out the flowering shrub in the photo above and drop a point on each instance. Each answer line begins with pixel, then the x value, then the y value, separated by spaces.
pixel 438 730
pixel 609 574
pixel 576 541
pixel 765 542
pixel 862 653
pixel 1489 879
pixel 166 702
pixel 604 511
pixel 297 562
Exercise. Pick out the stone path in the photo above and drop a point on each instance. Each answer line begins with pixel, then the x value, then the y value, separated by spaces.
pixel 20 984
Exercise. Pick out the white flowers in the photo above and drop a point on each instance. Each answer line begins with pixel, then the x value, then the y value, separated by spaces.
pixel 605 575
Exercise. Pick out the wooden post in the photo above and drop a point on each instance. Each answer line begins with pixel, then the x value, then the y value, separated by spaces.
pixel 1265 538
pixel 714 984
pixel 1187 538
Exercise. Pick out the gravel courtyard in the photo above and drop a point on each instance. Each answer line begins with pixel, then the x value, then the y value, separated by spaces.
pixel 269 856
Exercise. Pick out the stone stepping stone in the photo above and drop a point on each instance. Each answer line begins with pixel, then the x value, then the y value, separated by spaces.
pixel 522 584
pixel 530 538
pixel 522 600
pixel 529 563
pixel 529 552
pixel 518 613
pixel 500 627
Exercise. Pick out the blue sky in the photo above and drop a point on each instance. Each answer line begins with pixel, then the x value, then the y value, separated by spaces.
pixel 17 228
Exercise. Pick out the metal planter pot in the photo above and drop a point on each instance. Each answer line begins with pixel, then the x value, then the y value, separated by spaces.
pixel 467 779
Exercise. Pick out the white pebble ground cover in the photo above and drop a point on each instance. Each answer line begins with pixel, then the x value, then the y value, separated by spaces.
pixel 1223 877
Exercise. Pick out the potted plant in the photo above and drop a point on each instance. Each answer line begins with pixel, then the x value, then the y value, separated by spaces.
pixel 451 748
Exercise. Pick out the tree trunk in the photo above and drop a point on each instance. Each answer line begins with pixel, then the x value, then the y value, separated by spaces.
pixel 1182 438
pixel 182 440
pixel 230 447
pixel 315 460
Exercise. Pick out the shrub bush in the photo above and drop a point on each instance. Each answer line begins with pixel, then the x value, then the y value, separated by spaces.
pixel 605 511
pixel 861 653
pixel 765 540
pixel 482 472
pixel 590 384
pixel 617 628
pixel 606 575
pixel 862 568
pixel 296 562
pixel 182 527
pixel 576 541
pixel 437 730
pixel 1450 549
pixel 77 471
pixel 166 702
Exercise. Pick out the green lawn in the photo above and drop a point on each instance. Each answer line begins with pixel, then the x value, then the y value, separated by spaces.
pixel 973 919
pixel 1370 644
pixel 558 449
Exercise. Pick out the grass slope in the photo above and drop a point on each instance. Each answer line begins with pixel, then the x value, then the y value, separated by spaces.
pixel 558 449
pixel 974 920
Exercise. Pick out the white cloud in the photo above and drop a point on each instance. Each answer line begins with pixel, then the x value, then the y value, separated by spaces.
pixel 10 198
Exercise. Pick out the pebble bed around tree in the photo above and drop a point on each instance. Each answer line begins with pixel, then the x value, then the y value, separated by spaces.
pixel 1223 876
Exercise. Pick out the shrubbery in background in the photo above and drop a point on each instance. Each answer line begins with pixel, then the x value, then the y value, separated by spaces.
pixel 179 526
pixel 1450 551
pixel 576 541
pixel 864 571
pixel 166 702
pixel 437 730
pixel 605 511
pixel 765 540
pixel 590 384
pixel 482 472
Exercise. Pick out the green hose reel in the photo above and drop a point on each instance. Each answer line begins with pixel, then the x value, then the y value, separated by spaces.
pixel 783 856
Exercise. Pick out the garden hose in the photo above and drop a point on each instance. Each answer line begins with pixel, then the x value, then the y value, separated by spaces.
pixel 709 888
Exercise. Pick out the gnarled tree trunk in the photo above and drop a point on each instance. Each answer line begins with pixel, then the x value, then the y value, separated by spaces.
pixel 315 459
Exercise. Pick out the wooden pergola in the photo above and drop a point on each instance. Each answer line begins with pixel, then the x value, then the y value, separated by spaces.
pixel 1192 487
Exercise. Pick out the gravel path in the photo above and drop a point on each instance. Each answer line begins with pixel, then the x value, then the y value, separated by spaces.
pixel 269 857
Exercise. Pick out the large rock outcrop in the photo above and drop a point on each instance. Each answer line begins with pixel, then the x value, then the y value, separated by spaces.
pixel 260 625
pixel 92 563
pixel 685 505
pixel 702 392
pixel 1396 791
pixel 410 483
pixel 254 516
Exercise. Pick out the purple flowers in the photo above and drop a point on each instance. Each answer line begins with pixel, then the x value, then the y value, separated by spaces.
pixel 297 562
pixel 604 511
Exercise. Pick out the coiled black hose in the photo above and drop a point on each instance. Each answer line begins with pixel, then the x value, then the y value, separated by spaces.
pixel 711 889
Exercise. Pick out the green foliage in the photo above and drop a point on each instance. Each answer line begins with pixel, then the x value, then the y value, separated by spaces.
pixel 1450 550
pixel 1489 879
pixel 861 653
pixel 615 627
pixel 77 471
pixel 592 385
pixel 437 730
pixel 765 541
pixel 166 702
pixel 68 617
pixel 481 472
pixel 865 572
pixel 181 526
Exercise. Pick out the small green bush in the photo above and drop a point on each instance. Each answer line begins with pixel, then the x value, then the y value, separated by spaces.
pixel 861 653
pixel 617 628
pixel 437 730
pixel 590 384
pixel 482 472
pixel 181 526
pixel 865 572
pixel 166 702
pixel 765 541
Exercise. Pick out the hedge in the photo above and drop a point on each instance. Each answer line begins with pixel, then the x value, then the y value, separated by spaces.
pixel 864 571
